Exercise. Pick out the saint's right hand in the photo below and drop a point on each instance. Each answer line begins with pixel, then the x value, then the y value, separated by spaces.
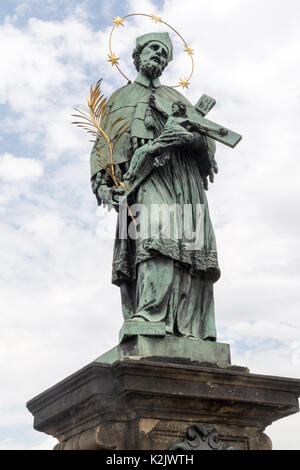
pixel 109 197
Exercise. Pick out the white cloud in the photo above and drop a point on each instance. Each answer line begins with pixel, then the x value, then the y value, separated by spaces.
pixel 45 67
pixel 285 433
pixel 264 329
pixel 47 444
pixel 46 228
pixel 15 169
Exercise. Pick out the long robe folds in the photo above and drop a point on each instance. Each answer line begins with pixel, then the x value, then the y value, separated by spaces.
pixel 166 263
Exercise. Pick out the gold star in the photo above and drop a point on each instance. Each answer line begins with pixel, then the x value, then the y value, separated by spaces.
pixel 189 50
pixel 113 59
pixel 118 21
pixel 184 83
pixel 155 18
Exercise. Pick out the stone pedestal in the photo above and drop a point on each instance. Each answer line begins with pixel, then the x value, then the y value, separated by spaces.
pixel 150 403
pixel 168 348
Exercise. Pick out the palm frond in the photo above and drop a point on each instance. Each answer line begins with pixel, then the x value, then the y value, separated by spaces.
pixel 93 119
pixel 100 107
pixel 122 130
pixel 114 123
pixel 119 134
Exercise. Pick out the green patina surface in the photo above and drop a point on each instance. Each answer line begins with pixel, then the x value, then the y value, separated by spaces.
pixel 141 347
pixel 166 283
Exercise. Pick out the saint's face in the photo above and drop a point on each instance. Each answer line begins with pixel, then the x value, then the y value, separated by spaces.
pixel 156 54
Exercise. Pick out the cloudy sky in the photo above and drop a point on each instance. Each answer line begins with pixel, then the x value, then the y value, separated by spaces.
pixel 58 308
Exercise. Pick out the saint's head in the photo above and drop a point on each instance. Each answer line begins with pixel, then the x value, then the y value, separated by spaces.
pixel 152 54
pixel 179 109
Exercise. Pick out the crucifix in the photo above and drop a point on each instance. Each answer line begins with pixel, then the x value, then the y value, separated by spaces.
pixel 189 117
pixel 210 128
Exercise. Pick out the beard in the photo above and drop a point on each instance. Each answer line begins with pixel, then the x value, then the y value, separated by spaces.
pixel 151 69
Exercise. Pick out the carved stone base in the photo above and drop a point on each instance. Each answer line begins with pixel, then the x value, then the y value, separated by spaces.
pixel 133 328
pixel 170 348
pixel 142 404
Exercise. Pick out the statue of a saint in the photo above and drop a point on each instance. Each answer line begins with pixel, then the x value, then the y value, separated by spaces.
pixel 162 278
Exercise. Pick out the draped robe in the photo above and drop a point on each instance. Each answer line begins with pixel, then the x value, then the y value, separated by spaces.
pixel 163 278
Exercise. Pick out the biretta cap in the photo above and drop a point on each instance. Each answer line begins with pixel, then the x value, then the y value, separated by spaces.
pixel 160 37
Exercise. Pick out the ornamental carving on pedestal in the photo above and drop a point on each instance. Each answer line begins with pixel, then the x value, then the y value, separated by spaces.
pixel 201 437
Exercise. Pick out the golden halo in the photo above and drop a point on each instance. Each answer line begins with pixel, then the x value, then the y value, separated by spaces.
pixel 119 21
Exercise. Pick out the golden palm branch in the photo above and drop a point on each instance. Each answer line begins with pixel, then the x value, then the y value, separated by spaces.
pixel 92 117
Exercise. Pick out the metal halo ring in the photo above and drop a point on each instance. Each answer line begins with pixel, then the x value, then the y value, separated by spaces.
pixel 118 21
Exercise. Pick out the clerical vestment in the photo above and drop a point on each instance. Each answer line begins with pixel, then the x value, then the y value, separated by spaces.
pixel 163 277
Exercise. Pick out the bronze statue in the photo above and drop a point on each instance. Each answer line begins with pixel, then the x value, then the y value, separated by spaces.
pixel 162 279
